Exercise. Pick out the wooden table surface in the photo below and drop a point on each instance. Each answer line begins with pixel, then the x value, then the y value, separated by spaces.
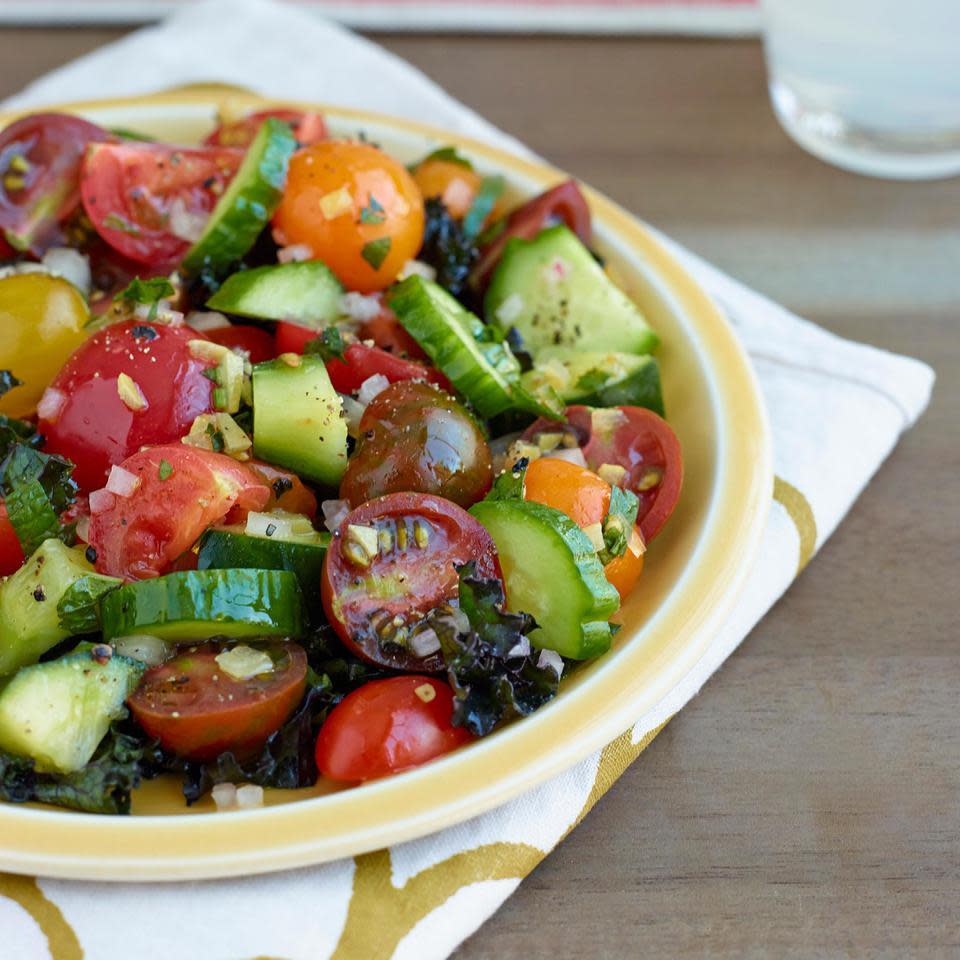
pixel 807 803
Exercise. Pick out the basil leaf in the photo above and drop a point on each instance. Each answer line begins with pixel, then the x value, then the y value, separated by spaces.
pixel 483 202
pixel 375 252
pixel 79 607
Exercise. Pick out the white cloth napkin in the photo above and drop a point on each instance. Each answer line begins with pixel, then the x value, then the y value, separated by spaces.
pixel 836 408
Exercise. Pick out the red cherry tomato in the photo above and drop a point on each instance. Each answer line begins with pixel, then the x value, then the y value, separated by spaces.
pixel 292 337
pixel 386 331
pixel 182 491
pixel 95 427
pixel 197 710
pixel 308 128
pixel 11 553
pixel 644 444
pixel 387 726
pixel 256 341
pixel 141 197
pixel 375 603
pixel 564 203
pixel 40 158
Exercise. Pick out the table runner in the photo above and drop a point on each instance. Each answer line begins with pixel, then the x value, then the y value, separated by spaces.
pixel 836 410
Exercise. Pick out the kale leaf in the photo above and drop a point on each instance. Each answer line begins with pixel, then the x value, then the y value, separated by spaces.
pixel 447 248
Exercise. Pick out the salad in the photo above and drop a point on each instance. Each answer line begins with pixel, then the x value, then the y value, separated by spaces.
pixel 312 465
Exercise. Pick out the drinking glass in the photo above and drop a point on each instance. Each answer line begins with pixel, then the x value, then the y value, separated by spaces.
pixel 869 85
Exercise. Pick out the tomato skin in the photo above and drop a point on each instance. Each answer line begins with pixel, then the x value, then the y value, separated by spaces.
pixel 414 437
pixel 385 727
pixel 143 535
pixel 11 553
pixel 307 127
pixel 294 496
pixel 624 571
pixel 94 428
pixel 454 183
pixel 365 174
pixel 386 331
pixel 129 191
pixel 258 343
pixel 405 582
pixel 197 711
pixel 564 202
pixel 43 152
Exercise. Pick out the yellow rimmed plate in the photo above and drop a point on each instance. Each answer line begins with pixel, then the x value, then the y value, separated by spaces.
pixel 692 577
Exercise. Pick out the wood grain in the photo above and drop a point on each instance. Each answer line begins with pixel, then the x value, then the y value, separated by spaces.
pixel 805 804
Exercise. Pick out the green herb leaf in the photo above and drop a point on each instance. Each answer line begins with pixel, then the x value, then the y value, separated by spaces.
pixel 164 471
pixel 592 380
pixel 124 134
pixel 483 202
pixel 8 381
pixel 14 432
pixel 372 213
pixel 618 524
pixel 79 607
pixel 375 252
pixel 216 438
pixel 448 155
pixel 509 484
pixel 149 292
pixel 328 344
pixel 115 222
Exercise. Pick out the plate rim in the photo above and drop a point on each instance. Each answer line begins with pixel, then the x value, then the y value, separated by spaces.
pixel 68 844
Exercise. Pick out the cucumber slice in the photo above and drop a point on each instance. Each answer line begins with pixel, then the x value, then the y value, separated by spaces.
pixel 551 571
pixel 598 379
pixel 298 419
pixel 307 293
pixel 247 204
pixel 58 712
pixel 30 618
pixel 199 604
pixel 227 548
pixel 556 294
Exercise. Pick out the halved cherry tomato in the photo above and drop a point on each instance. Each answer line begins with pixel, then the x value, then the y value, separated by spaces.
pixel 197 710
pixel 584 498
pixel 182 491
pixel 373 601
pixel 356 208
pixel 308 128
pixel 386 331
pixel 258 343
pixel 40 158
pixel 387 726
pixel 564 203
pixel 11 553
pixel 414 437
pixel 454 183
pixel 95 427
pixel 639 441
pixel 149 200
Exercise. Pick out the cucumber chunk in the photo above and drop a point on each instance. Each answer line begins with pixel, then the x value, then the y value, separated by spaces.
pixel 198 604
pixel 597 379
pixel 247 204
pixel 551 571
pixel 556 294
pixel 30 621
pixel 298 419
pixel 307 293
pixel 58 712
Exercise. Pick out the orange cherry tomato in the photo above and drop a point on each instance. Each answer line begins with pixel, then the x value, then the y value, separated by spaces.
pixel 585 499
pixel 357 209
pixel 455 184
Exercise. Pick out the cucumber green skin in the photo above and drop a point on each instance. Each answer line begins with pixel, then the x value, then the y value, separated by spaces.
pixel 28 626
pixel 307 293
pixel 58 712
pixel 247 204
pixel 298 420
pixel 551 571
pixel 222 549
pixel 482 372
pixel 586 310
pixel 197 604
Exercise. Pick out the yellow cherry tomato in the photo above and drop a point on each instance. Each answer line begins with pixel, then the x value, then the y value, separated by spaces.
pixel 357 209
pixel 455 184
pixel 41 323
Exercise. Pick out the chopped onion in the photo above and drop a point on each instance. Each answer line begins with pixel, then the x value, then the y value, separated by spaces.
pixel 51 403
pixel 520 649
pixel 595 533
pixel 184 224
pixel 510 309
pixel 424 642
pixel 572 454
pixel 101 501
pixel 295 253
pixel 224 795
pixel 334 512
pixel 122 482
pixel 352 412
pixel 417 268
pixel 71 265
pixel 249 796
pixel 551 659
pixel 371 387
pixel 144 647
pixel 204 320
pixel 360 306
pixel 83 529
